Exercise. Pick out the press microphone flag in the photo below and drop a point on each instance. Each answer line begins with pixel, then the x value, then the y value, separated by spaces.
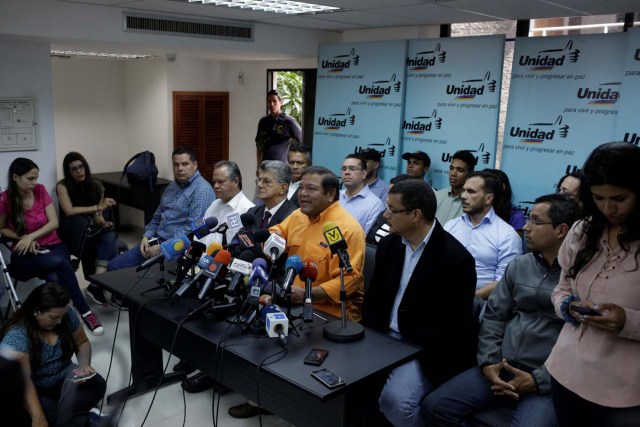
pixel 274 246
pixel 215 269
pixel 337 244
pixel 169 250
pixel 202 227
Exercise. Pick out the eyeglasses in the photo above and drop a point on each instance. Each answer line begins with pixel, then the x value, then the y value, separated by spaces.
pixel 538 222
pixel 264 181
pixel 397 211
pixel 77 169
pixel 350 168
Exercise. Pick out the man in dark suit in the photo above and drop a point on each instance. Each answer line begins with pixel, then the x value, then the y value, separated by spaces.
pixel 422 292
pixel 272 185
pixel 274 178
pixel 299 159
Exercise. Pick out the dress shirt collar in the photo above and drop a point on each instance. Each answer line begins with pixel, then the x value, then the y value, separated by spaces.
pixel 188 183
pixel 274 209
pixel 424 242
pixel 489 218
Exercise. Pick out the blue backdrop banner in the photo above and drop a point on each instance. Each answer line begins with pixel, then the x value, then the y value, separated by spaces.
pixel 628 125
pixel 563 102
pixel 359 101
pixel 452 100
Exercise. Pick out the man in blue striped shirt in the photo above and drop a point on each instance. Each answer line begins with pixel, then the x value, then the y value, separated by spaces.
pixel 184 200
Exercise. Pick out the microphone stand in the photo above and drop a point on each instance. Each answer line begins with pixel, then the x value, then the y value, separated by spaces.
pixel 162 283
pixel 343 330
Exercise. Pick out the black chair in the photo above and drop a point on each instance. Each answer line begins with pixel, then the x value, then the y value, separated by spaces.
pixel 369 264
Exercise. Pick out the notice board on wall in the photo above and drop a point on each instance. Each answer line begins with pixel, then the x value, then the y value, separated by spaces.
pixel 18 124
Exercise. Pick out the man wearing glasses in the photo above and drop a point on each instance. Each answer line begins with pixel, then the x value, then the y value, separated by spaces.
pixel 517 332
pixel 422 292
pixel 491 241
pixel 356 198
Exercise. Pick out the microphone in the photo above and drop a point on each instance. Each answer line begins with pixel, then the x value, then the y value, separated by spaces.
pixel 191 257
pixel 203 262
pixel 309 274
pixel 292 268
pixel 247 220
pixel 170 249
pixel 257 280
pixel 213 247
pixel 274 246
pixel 337 244
pixel 216 268
pixel 202 227
pixel 276 323
pixel 241 267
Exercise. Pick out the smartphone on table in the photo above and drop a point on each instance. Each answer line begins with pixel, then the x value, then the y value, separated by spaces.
pixel 328 378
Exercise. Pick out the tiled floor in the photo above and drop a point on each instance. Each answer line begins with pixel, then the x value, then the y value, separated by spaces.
pixel 171 403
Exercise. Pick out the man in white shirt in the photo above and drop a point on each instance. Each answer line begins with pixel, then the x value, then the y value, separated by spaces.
pixel 356 198
pixel 227 184
pixel 491 241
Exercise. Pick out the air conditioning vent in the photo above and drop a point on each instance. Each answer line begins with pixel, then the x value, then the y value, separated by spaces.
pixel 189 28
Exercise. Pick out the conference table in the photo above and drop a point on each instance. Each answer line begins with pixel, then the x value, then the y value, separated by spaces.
pixel 254 366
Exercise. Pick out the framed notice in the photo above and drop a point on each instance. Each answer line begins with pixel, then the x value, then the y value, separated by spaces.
pixel 18 124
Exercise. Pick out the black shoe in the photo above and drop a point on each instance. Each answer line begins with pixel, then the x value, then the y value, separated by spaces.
pixel 96 294
pixel 201 382
pixel 183 367
pixel 118 302
pixel 247 410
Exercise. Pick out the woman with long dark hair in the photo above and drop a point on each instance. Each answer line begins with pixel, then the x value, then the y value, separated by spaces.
pixel 28 217
pixel 595 364
pixel 504 206
pixel 43 335
pixel 82 201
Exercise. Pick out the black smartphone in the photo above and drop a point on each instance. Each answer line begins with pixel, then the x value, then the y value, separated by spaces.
pixel 153 241
pixel 585 310
pixel 316 356
pixel 328 378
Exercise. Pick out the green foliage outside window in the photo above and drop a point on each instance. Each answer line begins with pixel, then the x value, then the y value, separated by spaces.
pixel 289 85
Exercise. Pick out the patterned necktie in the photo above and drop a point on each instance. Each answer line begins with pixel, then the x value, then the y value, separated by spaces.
pixel 265 219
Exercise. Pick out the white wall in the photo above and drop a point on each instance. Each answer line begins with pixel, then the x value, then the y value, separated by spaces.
pixel 89 105
pixel 25 71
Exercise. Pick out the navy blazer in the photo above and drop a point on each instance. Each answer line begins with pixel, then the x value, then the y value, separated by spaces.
pixel 258 212
pixel 435 311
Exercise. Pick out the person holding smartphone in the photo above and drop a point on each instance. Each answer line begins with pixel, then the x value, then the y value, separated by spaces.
pixel 43 335
pixel 594 365
pixel 28 216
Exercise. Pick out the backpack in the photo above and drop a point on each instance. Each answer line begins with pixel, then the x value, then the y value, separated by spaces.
pixel 141 169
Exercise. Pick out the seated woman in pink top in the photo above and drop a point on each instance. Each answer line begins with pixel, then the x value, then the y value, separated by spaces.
pixel 27 215
pixel 595 364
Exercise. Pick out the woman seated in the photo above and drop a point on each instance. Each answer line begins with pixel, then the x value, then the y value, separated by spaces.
pixel 43 335
pixel 28 217
pixel 82 202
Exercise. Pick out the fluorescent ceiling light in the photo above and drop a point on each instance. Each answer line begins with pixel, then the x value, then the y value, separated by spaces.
pixel 275 6
pixel 100 54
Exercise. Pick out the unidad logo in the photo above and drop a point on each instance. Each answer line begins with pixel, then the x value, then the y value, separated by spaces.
pixel 383 148
pixel 480 154
pixel 537 133
pixel 469 89
pixel 604 94
pixel 339 63
pixel 426 59
pixel 336 121
pixel 380 88
pixel 548 59
pixel 421 124
pixel 633 138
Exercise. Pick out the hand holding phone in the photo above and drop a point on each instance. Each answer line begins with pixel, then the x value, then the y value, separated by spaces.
pixel 83 377
pixel 584 310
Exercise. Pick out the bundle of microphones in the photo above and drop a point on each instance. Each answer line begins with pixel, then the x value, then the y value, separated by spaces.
pixel 235 278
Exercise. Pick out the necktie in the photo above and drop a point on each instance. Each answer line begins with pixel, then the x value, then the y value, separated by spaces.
pixel 265 219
